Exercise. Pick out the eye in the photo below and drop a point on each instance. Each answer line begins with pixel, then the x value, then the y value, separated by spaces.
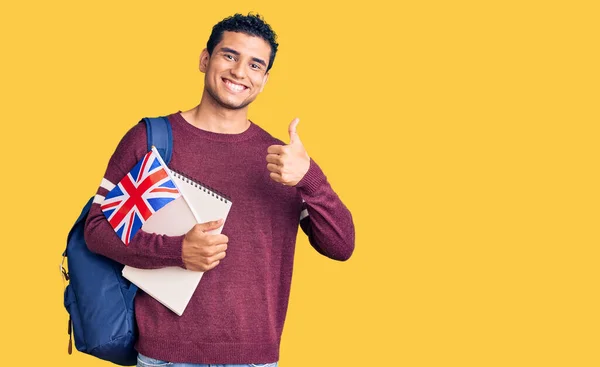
pixel 255 66
pixel 229 57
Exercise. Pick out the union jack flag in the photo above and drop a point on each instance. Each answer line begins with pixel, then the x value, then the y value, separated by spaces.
pixel 141 193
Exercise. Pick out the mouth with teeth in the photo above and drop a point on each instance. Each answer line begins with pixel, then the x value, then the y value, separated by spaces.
pixel 234 87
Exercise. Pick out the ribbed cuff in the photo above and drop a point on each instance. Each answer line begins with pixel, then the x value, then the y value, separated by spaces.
pixel 157 251
pixel 312 180
pixel 174 246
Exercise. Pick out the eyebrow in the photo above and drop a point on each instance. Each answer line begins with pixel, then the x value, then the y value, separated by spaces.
pixel 231 50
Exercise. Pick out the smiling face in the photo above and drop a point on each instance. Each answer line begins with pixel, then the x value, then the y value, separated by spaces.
pixel 236 72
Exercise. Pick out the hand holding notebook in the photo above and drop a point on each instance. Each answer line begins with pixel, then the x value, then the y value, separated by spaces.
pixel 201 250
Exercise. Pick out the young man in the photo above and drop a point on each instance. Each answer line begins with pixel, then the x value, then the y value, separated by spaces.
pixel 237 313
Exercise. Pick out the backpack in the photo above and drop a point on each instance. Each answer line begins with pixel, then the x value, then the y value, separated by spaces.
pixel 98 299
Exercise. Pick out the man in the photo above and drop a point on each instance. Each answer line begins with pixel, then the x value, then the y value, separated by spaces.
pixel 237 313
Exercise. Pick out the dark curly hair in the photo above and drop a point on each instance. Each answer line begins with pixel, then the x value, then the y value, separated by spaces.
pixel 252 25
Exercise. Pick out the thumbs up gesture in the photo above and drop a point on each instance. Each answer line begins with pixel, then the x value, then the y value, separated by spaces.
pixel 287 164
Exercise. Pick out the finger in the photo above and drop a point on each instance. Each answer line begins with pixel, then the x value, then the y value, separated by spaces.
pixel 276 177
pixel 208 226
pixel 294 138
pixel 274 168
pixel 212 266
pixel 218 239
pixel 275 159
pixel 220 248
pixel 218 257
pixel 275 149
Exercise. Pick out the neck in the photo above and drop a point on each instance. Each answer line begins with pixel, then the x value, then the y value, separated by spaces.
pixel 211 116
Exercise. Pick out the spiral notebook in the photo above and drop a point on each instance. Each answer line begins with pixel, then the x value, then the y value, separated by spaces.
pixel 174 286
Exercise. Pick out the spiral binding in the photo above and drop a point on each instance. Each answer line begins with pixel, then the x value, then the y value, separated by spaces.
pixel 203 187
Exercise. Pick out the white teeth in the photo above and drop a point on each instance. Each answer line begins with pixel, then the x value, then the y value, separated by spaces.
pixel 234 86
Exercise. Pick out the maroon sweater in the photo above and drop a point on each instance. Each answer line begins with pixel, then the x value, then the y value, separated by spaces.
pixel 236 314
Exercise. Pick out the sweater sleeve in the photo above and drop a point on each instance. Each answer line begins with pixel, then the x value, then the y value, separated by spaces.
pixel 145 250
pixel 325 219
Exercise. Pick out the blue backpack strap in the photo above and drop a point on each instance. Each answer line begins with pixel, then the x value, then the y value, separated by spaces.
pixel 82 218
pixel 160 135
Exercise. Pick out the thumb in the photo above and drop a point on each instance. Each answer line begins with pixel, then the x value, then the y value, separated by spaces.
pixel 209 226
pixel 294 138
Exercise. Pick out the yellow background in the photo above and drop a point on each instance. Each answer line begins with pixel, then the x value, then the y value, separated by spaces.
pixel 462 135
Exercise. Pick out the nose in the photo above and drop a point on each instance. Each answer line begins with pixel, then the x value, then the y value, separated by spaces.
pixel 238 70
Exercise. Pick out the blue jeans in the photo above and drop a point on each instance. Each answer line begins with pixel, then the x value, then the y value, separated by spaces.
pixel 143 361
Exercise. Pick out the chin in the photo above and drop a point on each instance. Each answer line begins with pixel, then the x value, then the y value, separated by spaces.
pixel 234 106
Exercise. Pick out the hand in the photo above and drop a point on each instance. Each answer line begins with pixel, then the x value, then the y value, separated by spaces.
pixel 288 163
pixel 202 251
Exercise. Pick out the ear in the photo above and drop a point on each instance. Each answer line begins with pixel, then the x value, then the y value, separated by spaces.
pixel 265 79
pixel 204 59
